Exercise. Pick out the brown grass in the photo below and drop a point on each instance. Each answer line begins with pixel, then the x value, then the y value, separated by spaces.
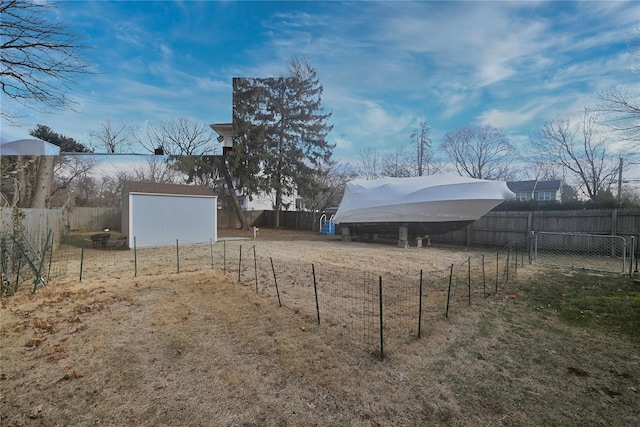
pixel 197 348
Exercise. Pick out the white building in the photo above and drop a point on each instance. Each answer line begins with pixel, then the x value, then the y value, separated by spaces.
pixel 159 214
pixel 262 201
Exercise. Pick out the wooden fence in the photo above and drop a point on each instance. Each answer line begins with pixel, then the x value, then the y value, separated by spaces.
pixel 494 229
pixel 500 228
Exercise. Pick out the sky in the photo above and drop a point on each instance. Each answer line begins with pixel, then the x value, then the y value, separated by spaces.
pixel 385 65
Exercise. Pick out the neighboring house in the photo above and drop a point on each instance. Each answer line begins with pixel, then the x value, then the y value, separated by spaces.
pixel 262 201
pixel 541 191
pixel 159 214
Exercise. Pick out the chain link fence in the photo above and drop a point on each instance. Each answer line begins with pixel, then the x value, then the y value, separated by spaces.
pixel 582 251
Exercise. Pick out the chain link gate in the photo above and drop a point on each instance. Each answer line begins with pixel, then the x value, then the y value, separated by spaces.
pixel 581 251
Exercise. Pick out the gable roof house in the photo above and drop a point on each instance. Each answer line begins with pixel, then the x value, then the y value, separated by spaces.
pixel 263 200
pixel 540 191
pixel 159 214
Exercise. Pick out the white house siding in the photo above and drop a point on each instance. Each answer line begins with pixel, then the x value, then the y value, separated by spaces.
pixel 264 201
pixel 158 220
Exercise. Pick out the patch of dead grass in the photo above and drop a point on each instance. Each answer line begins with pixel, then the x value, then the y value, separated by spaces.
pixel 200 349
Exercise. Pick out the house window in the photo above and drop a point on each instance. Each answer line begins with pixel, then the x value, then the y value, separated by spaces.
pixel 522 197
pixel 545 196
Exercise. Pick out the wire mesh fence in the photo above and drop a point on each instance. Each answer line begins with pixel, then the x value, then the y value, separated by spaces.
pixel 582 251
pixel 379 312
pixel 24 257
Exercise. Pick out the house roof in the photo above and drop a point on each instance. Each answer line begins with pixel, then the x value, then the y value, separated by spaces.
pixel 222 129
pixel 143 187
pixel 534 185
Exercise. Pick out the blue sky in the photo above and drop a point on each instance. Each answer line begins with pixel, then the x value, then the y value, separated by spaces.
pixel 384 65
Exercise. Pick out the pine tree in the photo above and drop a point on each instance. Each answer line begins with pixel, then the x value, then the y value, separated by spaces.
pixel 279 122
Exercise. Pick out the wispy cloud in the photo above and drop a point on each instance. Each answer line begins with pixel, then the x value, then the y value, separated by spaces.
pixel 383 64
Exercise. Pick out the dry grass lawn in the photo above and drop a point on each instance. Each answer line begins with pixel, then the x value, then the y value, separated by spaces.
pixel 198 349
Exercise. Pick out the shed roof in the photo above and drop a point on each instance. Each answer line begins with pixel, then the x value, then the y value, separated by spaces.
pixel 143 187
pixel 534 185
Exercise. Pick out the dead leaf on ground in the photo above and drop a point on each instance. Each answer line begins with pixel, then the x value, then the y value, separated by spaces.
pixel 163 383
pixel 35 411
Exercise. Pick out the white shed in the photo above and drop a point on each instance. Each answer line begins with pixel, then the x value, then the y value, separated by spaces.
pixel 159 214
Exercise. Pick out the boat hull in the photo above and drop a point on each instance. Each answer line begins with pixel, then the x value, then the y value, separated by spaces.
pixel 414 228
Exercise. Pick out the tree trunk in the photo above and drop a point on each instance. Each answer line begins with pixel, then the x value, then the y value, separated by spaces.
pixel 234 198
pixel 44 178
pixel 278 208
pixel 18 182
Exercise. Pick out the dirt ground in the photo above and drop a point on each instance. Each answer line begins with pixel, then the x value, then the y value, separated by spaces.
pixel 197 349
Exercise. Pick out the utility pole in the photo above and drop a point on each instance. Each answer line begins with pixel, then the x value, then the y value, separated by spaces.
pixel 620 180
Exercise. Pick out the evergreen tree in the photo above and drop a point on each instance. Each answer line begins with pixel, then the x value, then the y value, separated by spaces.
pixel 66 144
pixel 279 125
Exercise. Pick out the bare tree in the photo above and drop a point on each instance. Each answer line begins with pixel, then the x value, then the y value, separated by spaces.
pixel 43 182
pixel 544 170
pixel 176 137
pixel 421 138
pixel 621 112
pixel 579 148
pixel 39 57
pixel 482 152
pixel 369 163
pixel 397 164
pixel 620 109
pixel 68 169
pixel 114 139
pixel 17 183
pixel 325 188
pixel 155 169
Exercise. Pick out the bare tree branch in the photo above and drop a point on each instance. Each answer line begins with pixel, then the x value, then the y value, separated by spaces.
pixel 370 163
pixel 580 149
pixel 114 139
pixel 39 61
pixel 176 137
pixel 482 152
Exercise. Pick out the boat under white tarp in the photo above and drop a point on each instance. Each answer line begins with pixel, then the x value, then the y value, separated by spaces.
pixel 26 146
pixel 426 205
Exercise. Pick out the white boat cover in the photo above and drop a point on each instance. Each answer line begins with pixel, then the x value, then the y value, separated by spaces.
pixel 26 146
pixel 433 198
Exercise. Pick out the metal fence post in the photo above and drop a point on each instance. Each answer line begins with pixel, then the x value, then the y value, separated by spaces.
pixel 50 259
pixel 81 260
pixel 469 279
pixel 275 281
pixel 484 279
pixel 420 308
pixel 497 270
pixel 632 255
pixel 381 320
pixel 240 263
pixel 315 290
pixel 135 258
pixel 211 246
pixel 446 313
pixel 255 266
